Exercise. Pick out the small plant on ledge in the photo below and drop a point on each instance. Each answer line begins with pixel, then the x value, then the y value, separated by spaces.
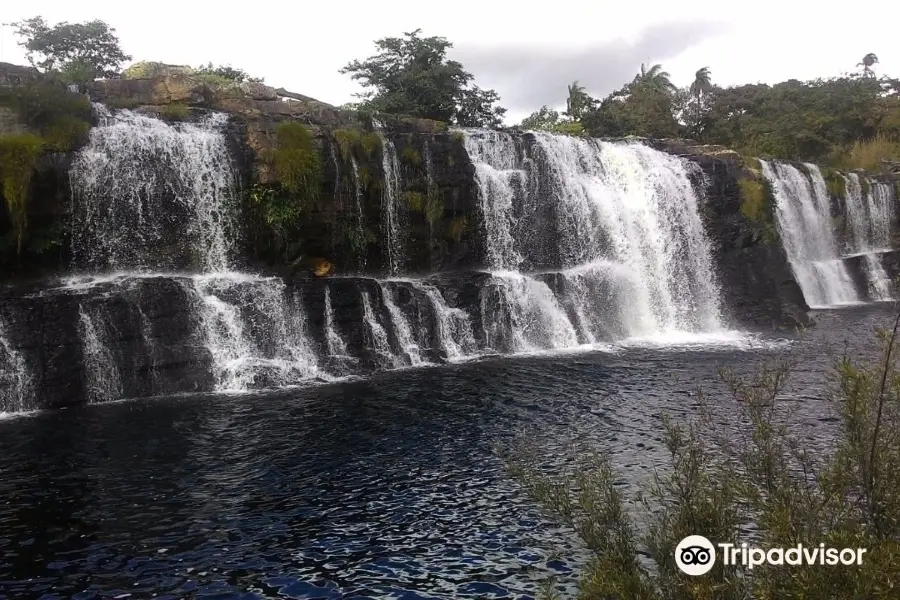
pixel 298 166
pixel 19 155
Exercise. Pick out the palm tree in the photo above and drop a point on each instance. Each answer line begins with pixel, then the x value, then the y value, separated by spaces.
pixel 699 87
pixel 577 101
pixel 867 62
pixel 655 78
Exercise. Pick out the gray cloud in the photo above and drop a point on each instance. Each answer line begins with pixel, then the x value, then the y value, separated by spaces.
pixel 529 76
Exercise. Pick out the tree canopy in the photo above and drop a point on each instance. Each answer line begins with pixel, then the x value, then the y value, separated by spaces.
pixel 79 51
pixel 411 75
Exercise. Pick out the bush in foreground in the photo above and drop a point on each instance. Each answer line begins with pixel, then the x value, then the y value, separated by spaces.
pixel 763 488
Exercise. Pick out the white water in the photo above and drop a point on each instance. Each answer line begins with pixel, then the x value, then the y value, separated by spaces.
pixel 101 370
pixel 869 218
pixel 454 325
pixel 627 222
pixel 377 336
pixel 255 333
pixel 360 225
pixel 401 328
pixel 334 344
pixel 390 225
pixel 804 221
pixel 15 378
pixel 138 180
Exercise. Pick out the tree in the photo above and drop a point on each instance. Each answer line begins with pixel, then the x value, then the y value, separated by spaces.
pixel 228 73
pixel 412 75
pixel 700 86
pixel 544 119
pixel 655 78
pixel 79 51
pixel 867 63
pixel 577 102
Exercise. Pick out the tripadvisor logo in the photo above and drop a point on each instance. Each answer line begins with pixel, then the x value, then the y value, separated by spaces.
pixel 696 555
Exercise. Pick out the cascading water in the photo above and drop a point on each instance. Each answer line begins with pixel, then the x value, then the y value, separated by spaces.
pixel 869 218
pixel 391 218
pixel 101 370
pixel 142 187
pixel 453 325
pixel 334 344
pixel 15 379
pixel 377 337
pixel 401 328
pixel 804 220
pixel 359 239
pixel 626 220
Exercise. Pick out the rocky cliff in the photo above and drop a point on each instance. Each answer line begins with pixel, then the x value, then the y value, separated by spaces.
pixel 392 196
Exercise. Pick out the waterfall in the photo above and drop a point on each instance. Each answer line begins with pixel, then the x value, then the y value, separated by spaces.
pixel 625 217
pixel 334 345
pixel 143 187
pixel 453 326
pixel 401 328
pixel 255 333
pixel 377 337
pixel 804 220
pixel 360 240
pixel 391 226
pixel 101 371
pixel 15 379
pixel 869 218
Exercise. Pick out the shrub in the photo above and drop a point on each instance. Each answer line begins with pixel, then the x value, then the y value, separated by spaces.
pixel 18 158
pixel 346 140
pixel 835 183
pixel 371 143
pixel 760 474
pixel 434 208
pixel 868 154
pixel 66 133
pixel 298 165
pixel 753 200
pixel 42 103
pixel 458 136
pixel 411 155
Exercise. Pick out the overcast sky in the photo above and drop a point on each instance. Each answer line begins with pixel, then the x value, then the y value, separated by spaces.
pixel 528 56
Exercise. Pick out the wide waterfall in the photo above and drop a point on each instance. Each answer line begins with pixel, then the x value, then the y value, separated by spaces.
pixel 149 195
pixel 624 253
pixel 804 220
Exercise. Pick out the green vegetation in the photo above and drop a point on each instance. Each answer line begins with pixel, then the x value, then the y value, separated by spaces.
pixel 414 201
pixel 175 112
pixel 434 208
pixel 456 228
pixel 298 166
pixel 758 472
pixel 758 206
pixel 868 154
pixel 412 75
pixel 458 136
pixel 547 119
pixel 411 155
pixel 18 158
pixel 224 75
pixel 79 52
pixel 346 140
pixel 371 143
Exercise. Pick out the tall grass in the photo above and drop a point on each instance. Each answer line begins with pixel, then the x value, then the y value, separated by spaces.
pixel 868 154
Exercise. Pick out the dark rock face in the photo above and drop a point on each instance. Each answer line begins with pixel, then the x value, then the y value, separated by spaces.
pixel 758 286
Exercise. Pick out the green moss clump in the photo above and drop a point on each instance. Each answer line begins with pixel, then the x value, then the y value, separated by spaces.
pixel 175 112
pixel 365 177
pixel 298 166
pixel 346 140
pixel 414 200
pixel 752 163
pixel 411 155
pixel 753 200
pixel 458 136
pixel 371 143
pixel 18 158
pixel 434 208
pixel 456 228
pixel 66 133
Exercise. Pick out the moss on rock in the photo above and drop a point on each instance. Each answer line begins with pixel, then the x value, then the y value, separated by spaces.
pixel 19 155
pixel 298 166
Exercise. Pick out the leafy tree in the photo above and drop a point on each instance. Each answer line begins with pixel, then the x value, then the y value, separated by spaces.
pixel 655 79
pixel 644 107
pixel 577 102
pixel 228 73
pixel 867 63
pixel 79 51
pixel 412 75
pixel 699 87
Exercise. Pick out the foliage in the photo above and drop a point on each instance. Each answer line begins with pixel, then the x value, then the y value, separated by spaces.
pixel 414 201
pixel 434 208
pixel 371 143
pixel 411 155
pixel 175 111
pixel 412 75
pixel 458 136
pixel 225 74
pixel 577 102
pixel 835 183
pixel 18 158
pixel 346 139
pixel 41 103
pixel 298 166
pixel 83 51
pixel 869 154
pixel 456 228
pixel 758 472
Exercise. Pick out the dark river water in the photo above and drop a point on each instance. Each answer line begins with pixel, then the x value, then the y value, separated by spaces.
pixel 382 488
